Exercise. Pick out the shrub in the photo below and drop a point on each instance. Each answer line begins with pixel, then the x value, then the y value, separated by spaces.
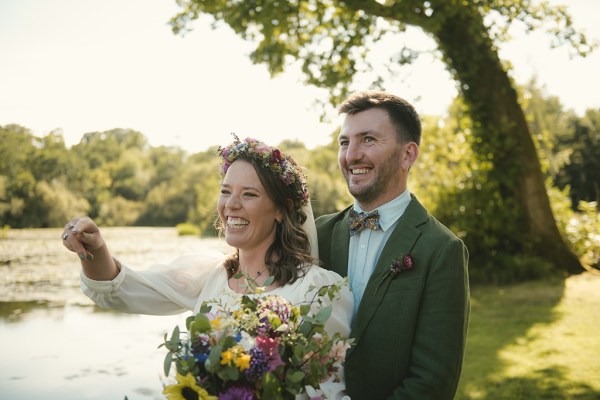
pixel 187 229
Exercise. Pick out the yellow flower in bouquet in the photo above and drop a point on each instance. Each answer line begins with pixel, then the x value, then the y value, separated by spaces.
pixel 186 388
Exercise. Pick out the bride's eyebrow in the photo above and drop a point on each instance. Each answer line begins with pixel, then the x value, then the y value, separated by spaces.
pixel 244 187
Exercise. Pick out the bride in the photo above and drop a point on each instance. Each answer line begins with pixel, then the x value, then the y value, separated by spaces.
pixel 264 213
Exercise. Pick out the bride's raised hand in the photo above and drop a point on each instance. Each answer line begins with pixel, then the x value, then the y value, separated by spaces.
pixel 82 236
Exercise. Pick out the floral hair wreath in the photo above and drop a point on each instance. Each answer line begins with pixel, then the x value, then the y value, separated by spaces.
pixel 261 154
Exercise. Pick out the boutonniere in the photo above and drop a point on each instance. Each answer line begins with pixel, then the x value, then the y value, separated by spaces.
pixel 404 263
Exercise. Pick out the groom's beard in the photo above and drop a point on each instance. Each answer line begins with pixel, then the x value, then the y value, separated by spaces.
pixel 384 174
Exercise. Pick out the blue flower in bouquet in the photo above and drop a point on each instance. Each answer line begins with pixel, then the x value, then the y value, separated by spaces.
pixel 201 347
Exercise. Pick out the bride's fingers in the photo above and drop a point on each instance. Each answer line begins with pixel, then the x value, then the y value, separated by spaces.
pixel 85 224
pixel 73 243
pixel 89 242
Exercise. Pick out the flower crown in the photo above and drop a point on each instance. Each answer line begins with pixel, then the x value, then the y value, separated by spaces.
pixel 260 154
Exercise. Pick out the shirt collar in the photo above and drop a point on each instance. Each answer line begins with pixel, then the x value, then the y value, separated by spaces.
pixel 391 211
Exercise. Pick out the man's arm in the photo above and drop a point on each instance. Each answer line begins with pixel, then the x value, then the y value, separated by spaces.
pixel 441 329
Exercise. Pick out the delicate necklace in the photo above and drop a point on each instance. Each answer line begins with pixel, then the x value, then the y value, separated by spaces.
pixel 247 275
pixel 250 282
pixel 259 273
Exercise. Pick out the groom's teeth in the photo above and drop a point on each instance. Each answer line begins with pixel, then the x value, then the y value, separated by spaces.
pixel 236 222
pixel 360 171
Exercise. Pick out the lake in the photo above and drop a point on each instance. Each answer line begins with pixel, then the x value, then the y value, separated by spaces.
pixel 56 344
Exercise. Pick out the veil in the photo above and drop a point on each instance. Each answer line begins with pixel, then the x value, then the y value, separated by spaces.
pixel 311 230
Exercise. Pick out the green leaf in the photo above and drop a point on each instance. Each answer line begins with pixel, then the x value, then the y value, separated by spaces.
pixel 249 303
pixel 175 335
pixel 167 363
pixel 304 309
pixel 227 342
pixel 201 324
pixel 294 377
pixel 305 328
pixel 230 373
pixel 323 291
pixel 212 363
pixel 324 314
pixel 238 275
pixel 188 321
pixel 271 387
pixel 269 281
pixel 205 308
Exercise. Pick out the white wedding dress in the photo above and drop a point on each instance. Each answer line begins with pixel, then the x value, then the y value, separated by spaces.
pixel 188 281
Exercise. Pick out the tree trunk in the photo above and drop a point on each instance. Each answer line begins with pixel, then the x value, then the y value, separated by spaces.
pixel 499 120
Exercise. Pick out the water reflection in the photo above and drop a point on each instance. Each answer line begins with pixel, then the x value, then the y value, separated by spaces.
pixel 18 310
pixel 56 344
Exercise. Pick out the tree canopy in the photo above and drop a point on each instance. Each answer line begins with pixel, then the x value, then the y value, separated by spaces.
pixel 331 40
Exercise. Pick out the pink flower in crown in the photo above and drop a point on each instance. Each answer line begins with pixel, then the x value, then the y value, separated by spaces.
pixel 262 148
pixel 276 155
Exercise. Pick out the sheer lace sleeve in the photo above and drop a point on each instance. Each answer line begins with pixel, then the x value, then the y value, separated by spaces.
pixel 160 290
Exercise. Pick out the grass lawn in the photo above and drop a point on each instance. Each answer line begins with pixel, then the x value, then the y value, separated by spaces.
pixel 534 340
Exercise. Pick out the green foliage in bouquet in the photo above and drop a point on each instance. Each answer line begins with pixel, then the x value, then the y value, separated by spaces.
pixel 262 347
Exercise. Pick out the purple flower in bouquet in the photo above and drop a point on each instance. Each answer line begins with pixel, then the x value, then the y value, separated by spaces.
pixel 237 393
pixel 276 316
pixel 259 364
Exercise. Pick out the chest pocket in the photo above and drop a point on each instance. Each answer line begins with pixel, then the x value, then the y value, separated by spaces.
pixel 401 283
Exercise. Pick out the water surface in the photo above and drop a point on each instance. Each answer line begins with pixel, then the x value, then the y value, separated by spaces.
pixel 56 344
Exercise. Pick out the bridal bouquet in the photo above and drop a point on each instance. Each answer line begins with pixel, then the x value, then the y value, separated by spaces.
pixel 262 348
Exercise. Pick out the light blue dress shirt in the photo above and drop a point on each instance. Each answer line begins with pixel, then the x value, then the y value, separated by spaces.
pixel 366 245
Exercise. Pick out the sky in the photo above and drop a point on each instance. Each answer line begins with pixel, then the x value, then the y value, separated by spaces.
pixel 94 65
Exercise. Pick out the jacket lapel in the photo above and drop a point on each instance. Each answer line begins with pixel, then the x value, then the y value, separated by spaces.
pixel 339 247
pixel 401 242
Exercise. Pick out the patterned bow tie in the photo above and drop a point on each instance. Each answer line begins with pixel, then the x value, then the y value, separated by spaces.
pixel 359 221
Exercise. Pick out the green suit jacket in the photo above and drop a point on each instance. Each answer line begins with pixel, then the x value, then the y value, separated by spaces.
pixel 410 329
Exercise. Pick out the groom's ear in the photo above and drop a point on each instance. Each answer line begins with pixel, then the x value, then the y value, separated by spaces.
pixel 410 152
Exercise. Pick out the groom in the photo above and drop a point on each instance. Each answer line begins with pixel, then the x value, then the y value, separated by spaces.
pixel 407 271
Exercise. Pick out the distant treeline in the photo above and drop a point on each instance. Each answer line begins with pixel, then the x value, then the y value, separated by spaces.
pixel 118 179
